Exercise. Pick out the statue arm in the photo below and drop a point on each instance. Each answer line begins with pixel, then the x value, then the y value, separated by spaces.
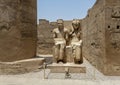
pixel 70 33
pixel 79 36
pixel 66 37
pixel 54 34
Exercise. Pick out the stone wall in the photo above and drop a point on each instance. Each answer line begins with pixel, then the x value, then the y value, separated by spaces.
pixel 43 22
pixel 45 39
pixel 17 29
pixel 112 36
pixel 101 37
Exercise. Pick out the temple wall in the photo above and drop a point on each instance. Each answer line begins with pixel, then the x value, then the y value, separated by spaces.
pixel 101 39
pixel 18 32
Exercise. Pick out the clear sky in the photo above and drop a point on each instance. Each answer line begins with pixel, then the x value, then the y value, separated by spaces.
pixel 63 9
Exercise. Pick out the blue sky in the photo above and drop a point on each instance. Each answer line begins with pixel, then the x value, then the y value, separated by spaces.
pixel 63 9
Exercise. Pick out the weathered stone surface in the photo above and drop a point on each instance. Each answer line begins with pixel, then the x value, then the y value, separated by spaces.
pixel 21 67
pixel 48 58
pixel 73 68
pixel 101 36
pixel 17 29
pixel 45 38
pixel 43 22
pixel 112 29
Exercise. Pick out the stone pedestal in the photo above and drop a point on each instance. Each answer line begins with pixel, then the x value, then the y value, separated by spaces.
pixel 73 68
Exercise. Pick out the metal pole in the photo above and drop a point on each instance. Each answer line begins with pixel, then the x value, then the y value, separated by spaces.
pixel 95 72
pixel 44 66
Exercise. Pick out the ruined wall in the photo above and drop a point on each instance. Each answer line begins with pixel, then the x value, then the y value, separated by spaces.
pixel 101 38
pixel 45 39
pixel 68 24
pixel 43 22
pixel 17 29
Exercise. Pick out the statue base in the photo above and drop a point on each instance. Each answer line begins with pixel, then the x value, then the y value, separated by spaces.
pixel 61 68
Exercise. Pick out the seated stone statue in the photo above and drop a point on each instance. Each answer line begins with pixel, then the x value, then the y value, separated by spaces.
pixel 76 42
pixel 60 36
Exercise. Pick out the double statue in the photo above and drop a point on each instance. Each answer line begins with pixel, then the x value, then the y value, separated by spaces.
pixel 64 38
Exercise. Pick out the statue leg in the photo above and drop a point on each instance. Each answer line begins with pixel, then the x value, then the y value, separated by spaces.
pixel 78 55
pixel 56 49
pixel 69 54
pixel 62 52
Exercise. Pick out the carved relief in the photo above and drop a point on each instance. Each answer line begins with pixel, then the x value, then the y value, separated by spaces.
pixel 28 34
pixel 116 12
pixel 116 68
pixel 115 41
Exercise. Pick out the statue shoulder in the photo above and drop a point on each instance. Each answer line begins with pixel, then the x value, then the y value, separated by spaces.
pixel 66 30
pixel 55 30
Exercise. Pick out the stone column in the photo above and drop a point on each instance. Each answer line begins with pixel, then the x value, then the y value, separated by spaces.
pixel 18 29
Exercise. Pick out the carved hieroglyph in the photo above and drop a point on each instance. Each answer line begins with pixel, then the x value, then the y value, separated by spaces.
pixel 116 12
pixel 17 29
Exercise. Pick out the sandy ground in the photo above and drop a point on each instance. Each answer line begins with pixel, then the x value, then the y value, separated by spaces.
pixel 92 77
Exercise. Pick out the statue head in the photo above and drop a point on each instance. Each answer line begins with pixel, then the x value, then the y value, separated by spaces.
pixel 60 23
pixel 76 23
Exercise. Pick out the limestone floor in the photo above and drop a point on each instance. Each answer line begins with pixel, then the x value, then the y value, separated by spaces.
pixel 92 77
